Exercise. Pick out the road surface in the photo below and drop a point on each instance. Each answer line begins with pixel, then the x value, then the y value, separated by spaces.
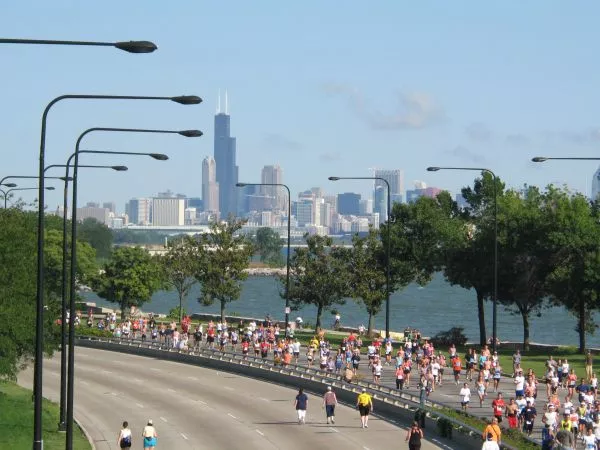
pixel 197 408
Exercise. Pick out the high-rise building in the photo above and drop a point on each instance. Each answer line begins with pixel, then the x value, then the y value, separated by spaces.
pixel 596 185
pixel 168 211
pixel 366 207
pixel 225 157
pixel 110 206
pixel 395 178
pixel 276 194
pixel 102 215
pixel 348 203
pixel 139 210
pixel 305 212
pixel 210 187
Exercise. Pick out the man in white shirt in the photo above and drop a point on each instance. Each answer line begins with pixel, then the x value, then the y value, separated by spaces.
pixel 519 384
pixel 465 396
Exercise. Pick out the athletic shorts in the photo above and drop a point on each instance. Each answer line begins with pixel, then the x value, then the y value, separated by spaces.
pixel 364 410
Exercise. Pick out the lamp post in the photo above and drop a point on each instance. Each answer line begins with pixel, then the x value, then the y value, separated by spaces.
pixel 388 248
pixel 495 299
pixel 63 317
pixel 39 325
pixel 8 191
pixel 128 46
pixel 287 263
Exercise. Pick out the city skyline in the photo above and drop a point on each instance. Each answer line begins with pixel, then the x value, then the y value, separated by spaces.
pixel 463 85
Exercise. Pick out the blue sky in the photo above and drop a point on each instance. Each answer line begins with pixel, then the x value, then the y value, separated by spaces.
pixel 320 88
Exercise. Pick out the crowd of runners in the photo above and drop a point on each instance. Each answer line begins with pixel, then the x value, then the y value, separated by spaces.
pixel 571 414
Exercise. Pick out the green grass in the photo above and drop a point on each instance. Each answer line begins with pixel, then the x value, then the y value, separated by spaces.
pixel 16 422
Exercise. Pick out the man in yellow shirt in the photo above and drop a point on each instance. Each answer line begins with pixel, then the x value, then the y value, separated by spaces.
pixel 364 403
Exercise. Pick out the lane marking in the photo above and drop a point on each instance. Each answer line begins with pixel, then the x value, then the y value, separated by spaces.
pixel 85 383
pixel 333 429
pixel 184 436
pixel 260 432
pixel 163 419
pixel 441 444
pixel 137 380
pixel 200 401
pixel 228 388
pixel 366 448
pixel 171 390
pixel 139 405
pixel 263 399
pixel 193 378
pixel 232 416
pixel 155 369
pixel 106 371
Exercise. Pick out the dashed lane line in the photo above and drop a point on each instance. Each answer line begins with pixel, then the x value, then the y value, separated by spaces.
pixel 163 419
pixel 260 432
pixel 333 429
pixel 184 436
pixel 139 405
pixel 232 416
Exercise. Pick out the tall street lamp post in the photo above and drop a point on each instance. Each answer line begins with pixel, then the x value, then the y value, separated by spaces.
pixel 128 46
pixel 388 247
pixel 39 325
pixel 495 299
pixel 8 191
pixel 287 263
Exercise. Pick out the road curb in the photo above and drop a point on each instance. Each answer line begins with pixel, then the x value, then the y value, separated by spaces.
pixel 86 433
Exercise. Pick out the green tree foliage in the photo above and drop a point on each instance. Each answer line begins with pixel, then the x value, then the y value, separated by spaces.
pixel 470 262
pixel 126 236
pixel 129 278
pixel 574 240
pixel 179 265
pixel 97 235
pixel 224 256
pixel 365 264
pixel 318 275
pixel 268 245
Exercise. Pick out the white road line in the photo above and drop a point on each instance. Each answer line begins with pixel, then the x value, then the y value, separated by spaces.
pixel 203 403
pixel 260 432
pixel 137 380
pixel 163 419
pixel 106 371
pixel 139 405
pixel 171 390
pixel 155 369
pixel 228 388
pixel 184 436
pixel 366 448
pixel 441 444
pixel 85 383
pixel 333 429
pixel 232 416
pixel 193 378
pixel 263 399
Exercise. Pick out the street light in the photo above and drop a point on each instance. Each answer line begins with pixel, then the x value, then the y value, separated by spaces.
pixel 128 46
pixel 8 191
pixel 9 185
pixel 39 323
pixel 495 299
pixel 388 249
pixel 546 158
pixel 287 264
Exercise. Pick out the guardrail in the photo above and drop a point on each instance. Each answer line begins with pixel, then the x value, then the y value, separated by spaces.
pixel 390 403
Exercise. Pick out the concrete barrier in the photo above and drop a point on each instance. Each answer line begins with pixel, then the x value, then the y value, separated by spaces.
pixel 392 406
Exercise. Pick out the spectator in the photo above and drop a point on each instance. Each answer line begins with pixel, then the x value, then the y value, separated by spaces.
pixel 494 430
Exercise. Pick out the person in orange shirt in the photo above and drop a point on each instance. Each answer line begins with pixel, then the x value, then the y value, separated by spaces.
pixel 456 367
pixel 494 430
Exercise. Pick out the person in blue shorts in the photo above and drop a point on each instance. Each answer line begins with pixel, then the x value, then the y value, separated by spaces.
pixel 149 434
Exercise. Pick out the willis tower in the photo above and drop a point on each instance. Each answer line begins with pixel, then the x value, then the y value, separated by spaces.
pixel 227 171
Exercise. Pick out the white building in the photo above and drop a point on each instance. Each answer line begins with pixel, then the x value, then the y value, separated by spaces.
pixel 210 187
pixel 596 185
pixel 168 211
pixel 139 210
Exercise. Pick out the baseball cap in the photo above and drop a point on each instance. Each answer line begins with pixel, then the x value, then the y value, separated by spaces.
pixel 149 421
pixel 364 390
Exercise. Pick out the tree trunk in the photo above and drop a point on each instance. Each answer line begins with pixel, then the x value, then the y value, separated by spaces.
pixel 180 304
pixel 581 326
pixel 319 313
pixel 122 311
pixel 481 317
pixel 371 323
pixel 525 317
pixel 223 311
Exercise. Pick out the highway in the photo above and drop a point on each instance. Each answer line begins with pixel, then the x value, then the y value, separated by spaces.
pixel 197 408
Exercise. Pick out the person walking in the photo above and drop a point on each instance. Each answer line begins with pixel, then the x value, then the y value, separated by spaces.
pixel 149 434
pixel 124 439
pixel 329 403
pixel 589 360
pixel 494 430
pixel 300 404
pixel 414 436
pixel 364 403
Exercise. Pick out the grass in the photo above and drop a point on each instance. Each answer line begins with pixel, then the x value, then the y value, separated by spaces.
pixel 16 421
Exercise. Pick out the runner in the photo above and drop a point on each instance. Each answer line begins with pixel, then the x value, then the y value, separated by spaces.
pixel 364 403
pixel 149 434
pixel 465 397
pixel 498 407
pixel 414 436
pixel 329 403
pixel 124 439
pixel 301 403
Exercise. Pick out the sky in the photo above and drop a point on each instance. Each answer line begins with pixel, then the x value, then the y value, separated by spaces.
pixel 320 88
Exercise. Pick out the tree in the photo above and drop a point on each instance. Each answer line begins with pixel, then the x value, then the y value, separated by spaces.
pixel 470 262
pixel 574 281
pixel 366 270
pixel 269 245
pixel 97 235
pixel 224 256
pixel 179 265
pixel 129 278
pixel 318 275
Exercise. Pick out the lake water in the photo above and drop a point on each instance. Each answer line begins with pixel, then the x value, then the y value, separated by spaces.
pixel 433 308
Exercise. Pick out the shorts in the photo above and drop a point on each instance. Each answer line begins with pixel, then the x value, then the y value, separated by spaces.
pixel 519 392
pixel 364 410
pixel 149 442
pixel 296 354
pixel 329 410
pixel 456 373
pixel 464 403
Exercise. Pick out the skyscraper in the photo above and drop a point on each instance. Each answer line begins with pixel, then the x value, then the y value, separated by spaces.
pixel 277 194
pixel 596 185
pixel 224 153
pixel 210 187
pixel 395 178
pixel 348 203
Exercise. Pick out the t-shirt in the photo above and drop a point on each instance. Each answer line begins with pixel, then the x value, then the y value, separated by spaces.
pixel 498 405
pixel 519 382
pixel 364 399
pixel 301 401
pixel 589 441
pixel 465 394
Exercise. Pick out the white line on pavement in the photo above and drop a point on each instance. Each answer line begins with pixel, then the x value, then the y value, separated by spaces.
pixel 228 388
pixel 106 371
pixel 263 399
pixel 137 380
pixel 171 390
pixel 163 419
pixel 184 436
pixel 232 416
pixel 85 383
pixel 333 429
pixel 366 448
pixel 155 369
pixel 441 444
pixel 260 432
pixel 193 378
pixel 139 405
pixel 203 403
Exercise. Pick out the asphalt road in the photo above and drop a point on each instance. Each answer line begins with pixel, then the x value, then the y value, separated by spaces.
pixel 196 408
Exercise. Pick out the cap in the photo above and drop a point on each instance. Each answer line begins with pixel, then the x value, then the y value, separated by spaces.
pixel 149 421
pixel 328 388
pixel 364 390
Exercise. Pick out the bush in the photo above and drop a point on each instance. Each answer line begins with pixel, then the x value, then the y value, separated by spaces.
pixel 454 336
pixel 444 427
